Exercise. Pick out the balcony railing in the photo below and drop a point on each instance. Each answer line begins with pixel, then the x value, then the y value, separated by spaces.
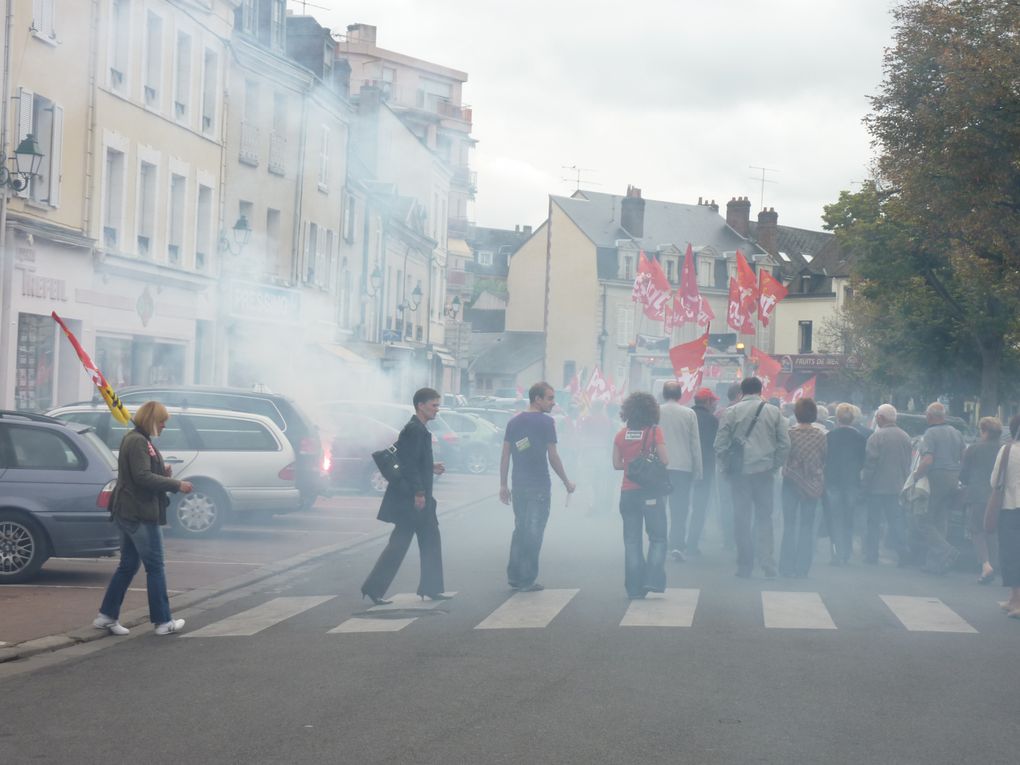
pixel 277 154
pixel 454 111
pixel 463 176
pixel 249 153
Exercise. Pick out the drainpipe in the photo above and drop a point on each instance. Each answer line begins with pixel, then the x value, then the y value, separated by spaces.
pixel 6 257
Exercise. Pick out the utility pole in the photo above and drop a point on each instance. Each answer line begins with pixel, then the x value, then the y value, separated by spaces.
pixel 763 181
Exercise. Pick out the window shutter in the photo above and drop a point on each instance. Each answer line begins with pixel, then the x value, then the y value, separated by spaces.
pixel 25 104
pixel 56 144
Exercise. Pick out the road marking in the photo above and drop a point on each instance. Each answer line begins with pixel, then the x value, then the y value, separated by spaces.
pixel 795 611
pixel 528 610
pixel 259 618
pixel 674 608
pixel 926 614
pixel 402 602
pixel 78 587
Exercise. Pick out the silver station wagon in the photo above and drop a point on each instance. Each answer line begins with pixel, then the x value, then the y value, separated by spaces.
pixel 238 462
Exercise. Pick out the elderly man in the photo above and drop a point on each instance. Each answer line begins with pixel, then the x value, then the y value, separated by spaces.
pixel 886 467
pixel 941 459
pixel 680 429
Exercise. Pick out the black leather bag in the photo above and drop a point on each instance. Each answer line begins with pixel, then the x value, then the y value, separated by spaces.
pixel 387 462
pixel 732 460
pixel 648 472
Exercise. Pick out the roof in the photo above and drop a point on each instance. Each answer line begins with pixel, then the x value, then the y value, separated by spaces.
pixel 665 223
pixel 510 353
pixel 816 252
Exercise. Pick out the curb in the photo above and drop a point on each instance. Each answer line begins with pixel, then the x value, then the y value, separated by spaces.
pixel 87 634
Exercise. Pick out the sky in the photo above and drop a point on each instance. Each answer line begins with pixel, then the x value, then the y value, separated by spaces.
pixel 681 99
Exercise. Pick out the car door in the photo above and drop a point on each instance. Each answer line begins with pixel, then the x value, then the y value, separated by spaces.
pixel 47 472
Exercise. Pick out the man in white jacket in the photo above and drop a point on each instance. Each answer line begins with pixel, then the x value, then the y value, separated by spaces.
pixel 683 445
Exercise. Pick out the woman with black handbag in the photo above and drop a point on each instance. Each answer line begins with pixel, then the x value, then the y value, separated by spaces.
pixel 639 451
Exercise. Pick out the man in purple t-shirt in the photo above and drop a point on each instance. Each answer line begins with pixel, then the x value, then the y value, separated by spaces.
pixel 531 441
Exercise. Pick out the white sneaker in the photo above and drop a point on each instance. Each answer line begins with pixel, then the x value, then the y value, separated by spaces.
pixel 102 622
pixel 174 625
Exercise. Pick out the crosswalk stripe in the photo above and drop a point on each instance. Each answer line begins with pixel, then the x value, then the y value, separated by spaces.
pixel 926 614
pixel 259 618
pixel 528 610
pixel 674 608
pixel 404 601
pixel 795 610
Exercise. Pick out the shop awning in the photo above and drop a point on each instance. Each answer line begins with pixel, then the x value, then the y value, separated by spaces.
pixel 345 354
pixel 445 356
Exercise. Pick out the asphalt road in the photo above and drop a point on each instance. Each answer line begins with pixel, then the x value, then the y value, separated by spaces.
pixel 851 678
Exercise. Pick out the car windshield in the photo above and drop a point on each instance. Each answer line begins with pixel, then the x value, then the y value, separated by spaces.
pixel 100 448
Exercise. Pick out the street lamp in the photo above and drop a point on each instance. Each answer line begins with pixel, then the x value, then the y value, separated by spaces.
pixel 242 235
pixel 409 303
pixel 27 160
pixel 453 310
pixel 374 282
pixel 740 349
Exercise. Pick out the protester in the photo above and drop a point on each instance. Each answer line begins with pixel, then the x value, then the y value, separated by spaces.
pixel 724 488
pixel 843 463
pixel 641 507
pixel 409 505
pixel 530 441
pixel 679 426
pixel 887 454
pixel 762 430
pixel 941 455
pixel 138 508
pixel 701 493
pixel 1009 520
pixel 803 484
pixel 975 480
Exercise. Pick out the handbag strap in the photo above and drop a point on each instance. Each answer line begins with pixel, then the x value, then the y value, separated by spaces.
pixel 754 421
pixel 645 437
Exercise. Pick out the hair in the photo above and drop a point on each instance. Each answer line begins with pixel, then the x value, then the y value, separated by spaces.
pixel 823 412
pixel 422 395
pixel 1014 426
pixel 936 410
pixel 733 392
pixel 640 411
pixel 672 390
pixel 844 414
pixel 537 391
pixel 150 414
pixel 991 427
pixel 750 386
pixel 887 412
pixel 805 410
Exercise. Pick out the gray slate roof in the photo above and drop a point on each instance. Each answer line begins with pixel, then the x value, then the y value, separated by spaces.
pixel 510 353
pixel 826 256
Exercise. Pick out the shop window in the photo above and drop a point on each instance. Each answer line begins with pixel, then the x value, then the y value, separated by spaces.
pixel 139 361
pixel 33 387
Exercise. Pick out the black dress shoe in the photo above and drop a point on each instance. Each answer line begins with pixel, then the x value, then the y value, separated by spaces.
pixel 377 601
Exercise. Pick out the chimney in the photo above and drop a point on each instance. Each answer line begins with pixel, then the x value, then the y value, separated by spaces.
pixel 768 231
pixel 713 205
pixel 361 33
pixel 738 215
pixel 527 231
pixel 632 213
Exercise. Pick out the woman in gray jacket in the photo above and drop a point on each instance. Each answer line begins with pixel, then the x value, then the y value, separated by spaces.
pixel 138 507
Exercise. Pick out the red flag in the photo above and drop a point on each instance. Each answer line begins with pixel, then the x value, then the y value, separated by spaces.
pixel 597 388
pixel 651 288
pixel 688 304
pixel 120 414
pixel 768 371
pixel 748 286
pixel 770 292
pixel 688 360
pixel 736 317
pixel 807 390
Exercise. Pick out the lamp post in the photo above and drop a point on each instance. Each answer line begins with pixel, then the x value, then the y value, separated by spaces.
pixel 373 286
pixel 741 348
pixel 452 311
pixel 241 236
pixel 409 303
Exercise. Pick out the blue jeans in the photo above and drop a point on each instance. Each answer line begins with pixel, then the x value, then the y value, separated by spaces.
pixel 842 504
pixel 638 509
pixel 140 544
pixel 797 550
pixel 531 512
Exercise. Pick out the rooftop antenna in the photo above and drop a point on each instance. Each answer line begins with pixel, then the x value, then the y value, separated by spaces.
pixel 304 9
pixel 763 181
pixel 577 176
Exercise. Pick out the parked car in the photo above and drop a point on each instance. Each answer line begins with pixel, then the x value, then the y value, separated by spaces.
pixel 481 441
pixel 56 480
pixel 299 429
pixel 498 417
pixel 353 439
pixel 453 401
pixel 238 462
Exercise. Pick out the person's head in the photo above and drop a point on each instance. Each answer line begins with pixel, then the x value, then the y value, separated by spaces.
pixel 805 411
pixel 426 403
pixel 542 397
pixel 640 411
pixel 935 413
pixel 733 392
pixel 750 386
pixel 151 418
pixel 844 414
pixel 1014 427
pixel 706 398
pixel 823 411
pixel 672 391
pixel 885 415
pixel 991 428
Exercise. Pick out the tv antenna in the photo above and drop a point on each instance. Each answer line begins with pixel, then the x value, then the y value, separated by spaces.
pixel 577 171
pixel 763 180
pixel 304 7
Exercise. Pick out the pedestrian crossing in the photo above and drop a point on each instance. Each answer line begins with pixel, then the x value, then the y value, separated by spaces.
pixel 676 608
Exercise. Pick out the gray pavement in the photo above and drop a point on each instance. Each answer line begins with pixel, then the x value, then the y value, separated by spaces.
pixel 580 688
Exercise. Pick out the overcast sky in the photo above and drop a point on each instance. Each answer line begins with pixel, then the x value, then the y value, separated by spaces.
pixel 678 98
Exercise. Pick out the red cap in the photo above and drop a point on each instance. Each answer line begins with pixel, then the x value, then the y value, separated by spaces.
pixel 704 393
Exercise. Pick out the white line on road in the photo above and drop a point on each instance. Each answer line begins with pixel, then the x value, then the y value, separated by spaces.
pixel 674 608
pixel 78 587
pixel 259 618
pixel 795 611
pixel 404 601
pixel 926 614
pixel 528 610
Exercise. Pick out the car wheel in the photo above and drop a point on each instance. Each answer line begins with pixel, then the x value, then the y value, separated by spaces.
pixel 476 462
pixel 375 482
pixel 23 548
pixel 200 513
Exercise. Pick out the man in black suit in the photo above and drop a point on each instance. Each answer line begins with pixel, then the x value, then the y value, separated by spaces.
pixel 409 505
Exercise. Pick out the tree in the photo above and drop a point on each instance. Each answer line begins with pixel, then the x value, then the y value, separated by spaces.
pixel 946 123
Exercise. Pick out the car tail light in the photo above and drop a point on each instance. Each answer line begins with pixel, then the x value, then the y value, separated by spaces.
pixel 327 461
pixel 451 438
pixel 288 473
pixel 309 445
pixel 103 500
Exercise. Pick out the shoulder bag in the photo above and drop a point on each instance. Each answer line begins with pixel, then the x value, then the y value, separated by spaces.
pixel 386 461
pixel 732 460
pixel 647 470
pixel 998 495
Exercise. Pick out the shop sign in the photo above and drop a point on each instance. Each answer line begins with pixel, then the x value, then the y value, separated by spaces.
pixel 818 362
pixel 262 302
pixel 42 286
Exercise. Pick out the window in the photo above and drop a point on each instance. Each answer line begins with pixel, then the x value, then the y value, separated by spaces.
pixel 113 198
pixel 624 325
pixel 628 267
pixel 804 335
pixel 245 17
pixel 669 269
pixel 432 93
pixel 182 77
pixel 722 274
pixel 203 227
pixel 120 44
pixel 485 257
pixel 175 238
pixel 44 120
pixel 210 64
pixel 350 220
pixel 230 434
pixel 42 449
pixel 42 19
pixel 34 387
pixel 277 24
pixel 324 160
pixel 146 207
pixel 153 59
pixel 328 278
pixel 273 241
pixel 311 252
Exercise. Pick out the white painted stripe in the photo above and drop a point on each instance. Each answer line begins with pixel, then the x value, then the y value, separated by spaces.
pixel 259 618
pixel 926 614
pixel 795 611
pixel 674 608
pixel 404 602
pixel 528 610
